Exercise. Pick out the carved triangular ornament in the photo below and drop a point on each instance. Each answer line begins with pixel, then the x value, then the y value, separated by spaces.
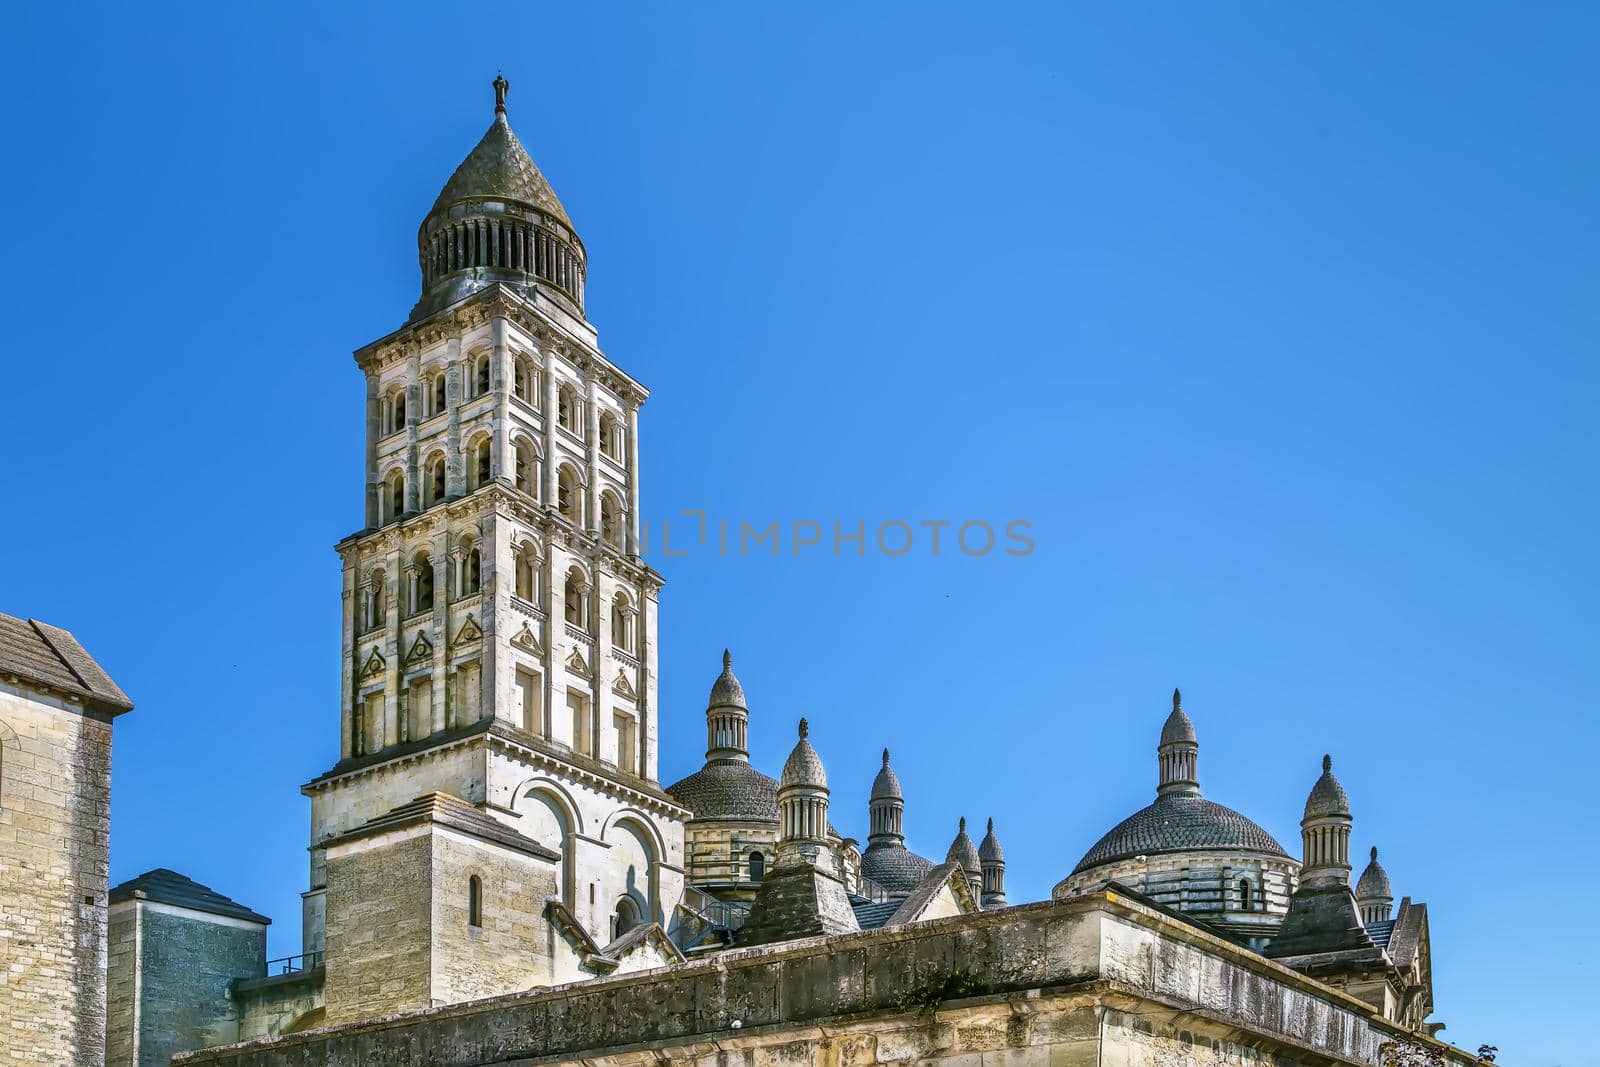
pixel 527 638
pixel 374 664
pixel 421 650
pixel 469 631
pixel 622 687
pixel 576 665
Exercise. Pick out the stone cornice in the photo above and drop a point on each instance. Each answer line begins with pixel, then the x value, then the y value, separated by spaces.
pixel 578 769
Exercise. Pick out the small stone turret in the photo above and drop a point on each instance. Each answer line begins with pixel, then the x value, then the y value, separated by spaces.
pixel 1374 895
pixel 1323 919
pixel 992 858
pixel 803 896
pixel 1179 752
pixel 1325 832
pixel 887 806
pixel 964 854
pixel 727 716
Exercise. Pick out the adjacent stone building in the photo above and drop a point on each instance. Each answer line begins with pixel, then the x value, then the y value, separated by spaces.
pixel 56 710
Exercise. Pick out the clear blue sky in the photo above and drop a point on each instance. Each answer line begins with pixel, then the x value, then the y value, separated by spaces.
pixel 1277 322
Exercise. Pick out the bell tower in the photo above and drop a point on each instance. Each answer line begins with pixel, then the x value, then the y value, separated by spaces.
pixel 499 623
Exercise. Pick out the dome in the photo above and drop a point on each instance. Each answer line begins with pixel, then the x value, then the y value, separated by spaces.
pixel 886 786
pixel 893 866
pixel 804 766
pixel 1180 822
pixel 1179 729
pixel 963 853
pixel 1327 796
pixel 1374 883
pixel 990 851
pixel 728 789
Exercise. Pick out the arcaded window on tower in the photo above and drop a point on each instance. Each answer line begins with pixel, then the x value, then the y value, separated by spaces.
pixel 435 481
pixel 482 463
pixel 611 520
pixel 526 382
pixel 424 589
pixel 610 436
pixel 395 497
pixel 622 623
pixel 480 376
pixel 758 866
pixel 567 411
pixel 436 394
pixel 575 599
pixel 526 463
pixel 569 497
pixel 1246 903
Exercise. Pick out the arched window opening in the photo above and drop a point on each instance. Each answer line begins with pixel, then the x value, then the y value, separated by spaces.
pixel 481 377
pixel 758 866
pixel 610 521
pixel 625 918
pixel 567 411
pixel 568 497
pixel 475 901
pixel 574 599
pixel 525 468
pixel 424 593
pixel 395 497
pixel 436 389
pixel 481 459
pixel 397 412
pixel 436 481
pixel 621 624
pixel 527 574
pixel 376 609
pixel 1245 901
pixel 610 436
pixel 526 384
pixel 474 570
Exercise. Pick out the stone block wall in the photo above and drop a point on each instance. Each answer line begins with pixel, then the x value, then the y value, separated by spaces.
pixel 379 957
pixel 175 994
pixel 55 786
pixel 511 951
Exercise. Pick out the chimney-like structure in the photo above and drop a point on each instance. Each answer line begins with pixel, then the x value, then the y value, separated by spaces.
pixel 993 860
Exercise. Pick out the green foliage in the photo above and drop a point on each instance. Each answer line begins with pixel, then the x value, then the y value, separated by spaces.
pixel 933 987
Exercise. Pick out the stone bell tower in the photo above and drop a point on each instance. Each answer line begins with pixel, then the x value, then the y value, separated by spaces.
pixel 499 624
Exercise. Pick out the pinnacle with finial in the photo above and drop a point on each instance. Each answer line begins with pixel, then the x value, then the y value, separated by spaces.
pixel 963 824
pixel 805 728
pixel 1327 764
pixel 1177 700
pixel 1374 853
pixel 991 826
pixel 727 660
pixel 500 87
pixel 886 757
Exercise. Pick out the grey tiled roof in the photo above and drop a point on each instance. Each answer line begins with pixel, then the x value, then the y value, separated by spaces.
pixel 499 167
pixel 872 914
pixel 1380 932
pixel 1179 822
pixel 1374 880
pixel 728 789
pixel 169 887
pixel 893 866
pixel 49 656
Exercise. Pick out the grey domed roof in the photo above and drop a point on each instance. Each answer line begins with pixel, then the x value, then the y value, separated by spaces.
pixel 726 690
pixel 893 866
pixel 728 789
pixel 1180 822
pixel 804 766
pixel 989 851
pixel 1327 796
pixel 499 168
pixel 1179 728
pixel 886 786
pixel 1374 880
pixel 963 852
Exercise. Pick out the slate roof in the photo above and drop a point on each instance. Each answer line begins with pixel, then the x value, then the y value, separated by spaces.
pixel 1380 932
pixel 50 656
pixel 450 811
pixel 169 887
pixel 872 914
pixel 893 866
pixel 728 789
pixel 1180 822
pixel 499 168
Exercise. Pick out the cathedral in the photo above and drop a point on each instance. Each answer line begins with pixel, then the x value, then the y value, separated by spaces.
pixel 495 827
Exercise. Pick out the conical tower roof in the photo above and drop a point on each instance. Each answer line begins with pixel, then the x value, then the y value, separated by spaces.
pixel 1374 881
pixel 886 786
pixel 726 690
pixel 1327 796
pixel 1179 728
pixel 990 851
pixel 804 766
pixel 963 853
pixel 499 168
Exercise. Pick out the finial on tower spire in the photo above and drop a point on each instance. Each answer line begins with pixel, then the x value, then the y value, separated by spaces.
pixel 1177 700
pixel 963 824
pixel 500 87
pixel 1327 764
pixel 805 728
pixel 886 756
pixel 1374 853
pixel 727 660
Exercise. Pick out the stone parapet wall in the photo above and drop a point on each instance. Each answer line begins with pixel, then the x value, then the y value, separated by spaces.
pixel 1096 980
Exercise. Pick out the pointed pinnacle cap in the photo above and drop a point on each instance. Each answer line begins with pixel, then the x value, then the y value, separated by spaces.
pixel 989 851
pixel 1327 796
pixel 1179 728
pixel 1374 881
pixel 963 853
pixel 499 168
pixel 804 766
pixel 726 690
pixel 886 786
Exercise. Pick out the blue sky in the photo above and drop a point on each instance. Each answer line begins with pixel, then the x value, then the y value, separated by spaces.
pixel 1275 322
